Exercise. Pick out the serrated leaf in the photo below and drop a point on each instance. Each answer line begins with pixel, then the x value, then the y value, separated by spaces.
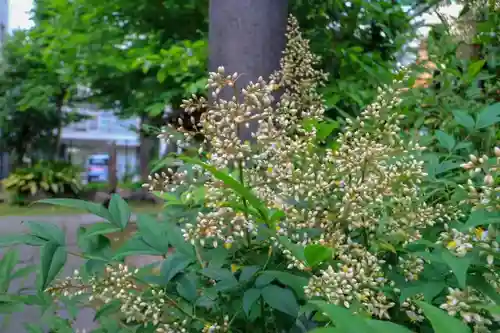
pixel 52 260
pixel 380 326
pixel 440 320
pixel 249 298
pixel 173 265
pixel 281 299
pixel 119 211
pixel 7 265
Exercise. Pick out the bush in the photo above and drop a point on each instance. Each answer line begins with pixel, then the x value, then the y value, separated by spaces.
pixel 286 233
pixel 47 178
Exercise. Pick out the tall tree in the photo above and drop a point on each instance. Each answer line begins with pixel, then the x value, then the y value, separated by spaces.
pixel 247 37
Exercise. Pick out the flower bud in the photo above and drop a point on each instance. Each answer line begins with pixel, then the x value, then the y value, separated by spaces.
pixel 497 152
pixel 473 158
pixel 488 180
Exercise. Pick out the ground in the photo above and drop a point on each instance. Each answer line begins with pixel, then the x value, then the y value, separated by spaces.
pixel 68 221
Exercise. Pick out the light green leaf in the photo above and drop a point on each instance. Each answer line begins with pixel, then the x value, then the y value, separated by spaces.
pixel 281 299
pixel 249 298
pixel 119 211
pixel 233 184
pixel 445 140
pixel 52 260
pixel 464 119
pixel 488 116
pixel 475 68
pixel 441 322
pixel 315 254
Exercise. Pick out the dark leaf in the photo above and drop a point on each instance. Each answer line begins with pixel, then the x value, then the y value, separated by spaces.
pixel 281 299
pixel 119 211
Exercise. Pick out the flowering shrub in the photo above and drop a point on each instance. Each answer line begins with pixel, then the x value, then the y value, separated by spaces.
pixel 282 232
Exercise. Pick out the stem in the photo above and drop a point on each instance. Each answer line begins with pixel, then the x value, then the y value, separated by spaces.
pixel 198 256
pixel 263 321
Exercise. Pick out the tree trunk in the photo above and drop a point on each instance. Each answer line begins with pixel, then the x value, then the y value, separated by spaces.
pixel 146 144
pixel 248 37
pixel 57 144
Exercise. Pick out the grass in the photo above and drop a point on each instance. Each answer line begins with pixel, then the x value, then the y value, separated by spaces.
pixel 40 209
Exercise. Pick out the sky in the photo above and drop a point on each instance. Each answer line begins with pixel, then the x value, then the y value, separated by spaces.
pixel 19 16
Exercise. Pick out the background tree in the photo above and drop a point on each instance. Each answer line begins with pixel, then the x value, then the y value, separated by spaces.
pixel 33 92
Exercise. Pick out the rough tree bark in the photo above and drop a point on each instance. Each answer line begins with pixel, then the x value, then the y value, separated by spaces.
pixel 248 37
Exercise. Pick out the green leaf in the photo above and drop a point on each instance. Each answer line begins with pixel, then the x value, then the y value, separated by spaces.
pixel 441 322
pixel 16 239
pixel 324 129
pixel 90 207
pixel 176 239
pixel 488 116
pixel 249 298
pixel 7 265
pixel 52 260
pixel 475 68
pixel 100 229
pixel 153 233
pixel 108 309
pixel 429 289
pixel 481 217
pixel 248 272
pixel 295 282
pixel 135 246
pixel 235 185
pixel 380 326
pixel 119 211
pixel 32 328
pixel 186 287
pixel 315 254
pixel 173 265
pixel 445 140
pixel 464 119
pixel 480 283
pixel 345 321
pixel 281 299
pixel 458 266
pixel 47 231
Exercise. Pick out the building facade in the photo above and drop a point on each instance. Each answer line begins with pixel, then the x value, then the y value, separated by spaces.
pixel 94 135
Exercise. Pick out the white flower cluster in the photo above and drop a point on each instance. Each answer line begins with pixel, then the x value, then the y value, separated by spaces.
pixel 118 283
pixel 460 302
pixel 358 277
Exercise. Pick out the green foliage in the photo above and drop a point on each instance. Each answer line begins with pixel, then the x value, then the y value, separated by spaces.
pixel 49 178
